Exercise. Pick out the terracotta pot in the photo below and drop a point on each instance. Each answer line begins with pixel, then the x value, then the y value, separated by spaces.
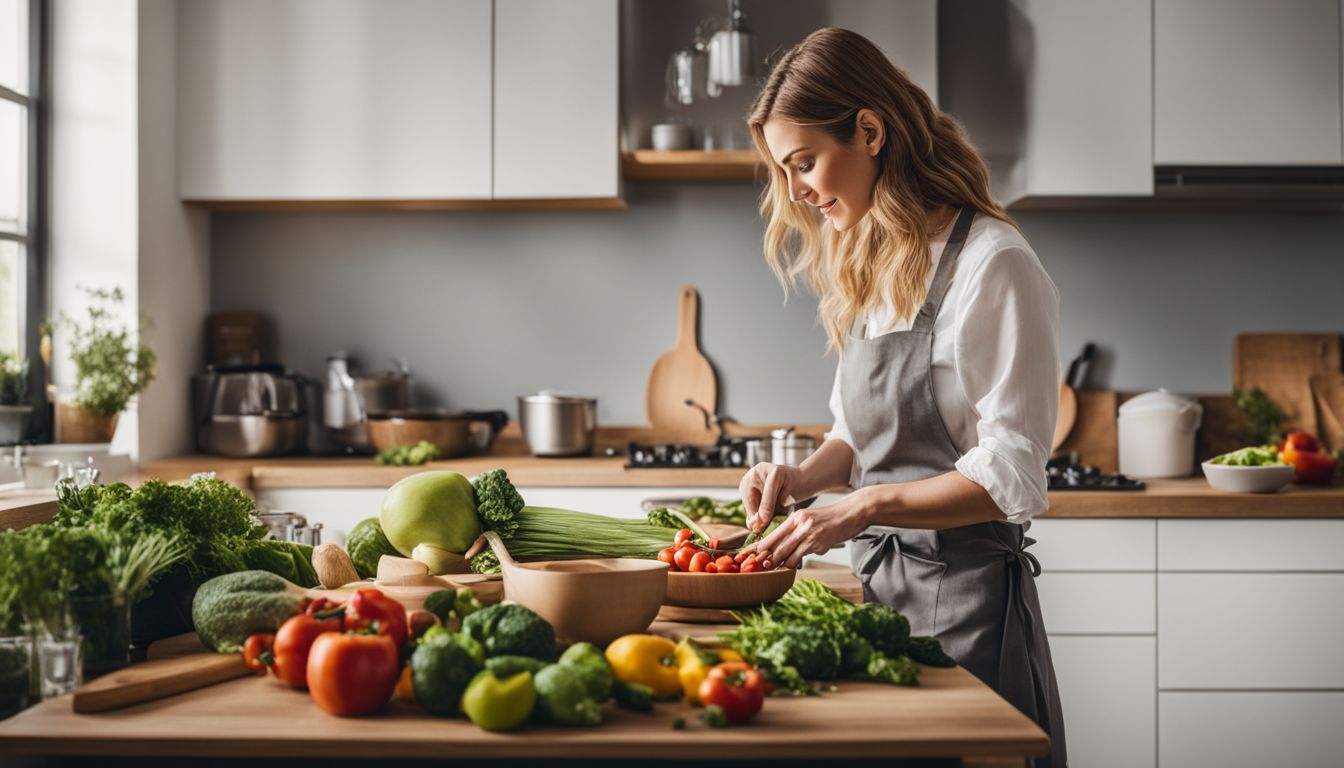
pixel 75 424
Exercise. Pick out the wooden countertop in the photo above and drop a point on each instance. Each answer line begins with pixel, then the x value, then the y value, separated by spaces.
pixel 951 714
pixel 1183 497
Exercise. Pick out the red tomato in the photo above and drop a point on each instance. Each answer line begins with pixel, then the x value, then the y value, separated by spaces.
pixel 1310 468
pixel 369 606
pixel 730 568
pixel 666 556
pixel 352 674
pixel 750 566
pixel 711 568
pixel 723 561
pixel 737 688
pixel 741 557
pixel 1300 441
pixel 257 652
pixel 683 536
pixel 682 558
pixel 698 562
pixel 293 642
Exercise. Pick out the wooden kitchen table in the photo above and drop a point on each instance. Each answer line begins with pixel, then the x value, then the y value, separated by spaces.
pixel 951 715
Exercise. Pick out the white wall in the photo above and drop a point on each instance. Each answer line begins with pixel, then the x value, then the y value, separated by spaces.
pixel 115 219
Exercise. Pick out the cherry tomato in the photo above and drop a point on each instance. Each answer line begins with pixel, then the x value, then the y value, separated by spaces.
pixel 682 558
pixel 257 652
pixel 666 557
pixel 729 568
pixel 683 536
pixel 293 641
pixel 711 568
pixel 698 562
pixel 352 674
pixel 735 687
pixel 751 566
pixel 723 561
pixel 740 557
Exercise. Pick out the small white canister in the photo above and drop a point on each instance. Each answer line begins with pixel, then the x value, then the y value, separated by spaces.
pixel 1157 434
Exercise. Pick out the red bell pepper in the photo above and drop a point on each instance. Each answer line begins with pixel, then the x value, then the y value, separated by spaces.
pixel 293 642
pixel 370 608
pixel 352 674
pixel 1310 468
pixel 257 654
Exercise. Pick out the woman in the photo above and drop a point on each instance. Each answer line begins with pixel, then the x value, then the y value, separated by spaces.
pixel 947 387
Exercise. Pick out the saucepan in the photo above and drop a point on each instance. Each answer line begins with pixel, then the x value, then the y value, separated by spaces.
pixel 454 433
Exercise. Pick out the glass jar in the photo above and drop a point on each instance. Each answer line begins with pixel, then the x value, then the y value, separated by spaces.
pixel 16 663
pixel 58 659
pixel 105 627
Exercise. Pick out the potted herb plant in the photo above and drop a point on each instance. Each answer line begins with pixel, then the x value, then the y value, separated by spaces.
pixel 110 369
pixel 13 391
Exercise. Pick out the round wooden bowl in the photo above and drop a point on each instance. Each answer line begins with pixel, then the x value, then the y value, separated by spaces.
pixel 727 590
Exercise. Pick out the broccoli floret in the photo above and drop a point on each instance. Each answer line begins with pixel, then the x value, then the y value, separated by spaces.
pixel 467 603
pixel 806 648
pixel 897 670
pixel 441 603
pixel 497 502
pixel 882 626
pixel 591 666
pixel 511 630
pixel 485 561
pixel 507 666
pixel 927 650
pixel 228 608
pixel 562 697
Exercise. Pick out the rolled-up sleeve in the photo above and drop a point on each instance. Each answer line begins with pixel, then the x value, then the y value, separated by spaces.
pixel 1007 358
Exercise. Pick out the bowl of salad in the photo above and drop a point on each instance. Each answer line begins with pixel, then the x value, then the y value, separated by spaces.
pixel 1254 469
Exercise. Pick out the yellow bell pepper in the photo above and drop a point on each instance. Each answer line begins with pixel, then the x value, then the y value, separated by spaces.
pixel 647 660
pixel 694 663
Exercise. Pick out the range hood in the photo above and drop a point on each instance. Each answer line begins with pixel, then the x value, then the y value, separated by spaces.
pixel 1280 183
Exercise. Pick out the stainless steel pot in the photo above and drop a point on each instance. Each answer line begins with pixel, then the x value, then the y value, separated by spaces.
pixel 558 425
pixel 789 448
pixel 248 411
pixel 290 526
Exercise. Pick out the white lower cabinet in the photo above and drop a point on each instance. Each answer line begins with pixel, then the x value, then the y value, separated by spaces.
pixel 1106 688
pixel 1225 729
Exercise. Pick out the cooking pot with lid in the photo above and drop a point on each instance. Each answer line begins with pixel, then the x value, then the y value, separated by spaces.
pixel 1157 434
pixel 556 424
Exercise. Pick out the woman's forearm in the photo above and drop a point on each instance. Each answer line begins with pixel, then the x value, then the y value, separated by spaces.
pixel 949 500
pixel 828 467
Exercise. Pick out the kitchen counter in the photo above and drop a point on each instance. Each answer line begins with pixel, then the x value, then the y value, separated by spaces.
pixel 952 714
pixel 1175 498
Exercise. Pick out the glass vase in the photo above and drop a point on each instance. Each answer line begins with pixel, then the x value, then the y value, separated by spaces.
pixel 16 663
pixel 105 628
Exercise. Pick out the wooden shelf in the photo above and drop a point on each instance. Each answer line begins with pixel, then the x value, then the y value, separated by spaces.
pixel 692 165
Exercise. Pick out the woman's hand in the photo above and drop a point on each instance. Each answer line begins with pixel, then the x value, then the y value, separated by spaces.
pixel 765 488
pixel 814 531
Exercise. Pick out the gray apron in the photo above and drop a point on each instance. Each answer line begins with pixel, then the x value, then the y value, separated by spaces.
pixel 972 587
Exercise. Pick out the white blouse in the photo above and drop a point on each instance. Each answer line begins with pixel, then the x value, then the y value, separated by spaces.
pixel 996 367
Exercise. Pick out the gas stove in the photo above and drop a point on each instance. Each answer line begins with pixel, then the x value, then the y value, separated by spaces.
pixel 1071 476
pixel 728 453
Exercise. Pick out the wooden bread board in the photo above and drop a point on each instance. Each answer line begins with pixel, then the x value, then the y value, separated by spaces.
pixel 683 373
pixel 1094 433
pixel 156 680
pixel 1282 365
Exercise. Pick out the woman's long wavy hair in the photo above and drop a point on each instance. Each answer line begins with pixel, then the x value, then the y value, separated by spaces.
pixel 925 161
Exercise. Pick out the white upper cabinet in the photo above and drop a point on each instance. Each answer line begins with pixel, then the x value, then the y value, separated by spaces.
pixel 556 121
pixel 334 99
pixel 1247 82
pixel 1089 105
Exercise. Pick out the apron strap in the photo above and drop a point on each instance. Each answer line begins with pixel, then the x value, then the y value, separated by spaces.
pixel 943 277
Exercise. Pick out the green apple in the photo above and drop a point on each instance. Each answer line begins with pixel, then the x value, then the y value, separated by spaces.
pixel 433 511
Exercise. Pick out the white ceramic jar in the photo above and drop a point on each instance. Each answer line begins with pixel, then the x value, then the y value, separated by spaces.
pixel 1157 434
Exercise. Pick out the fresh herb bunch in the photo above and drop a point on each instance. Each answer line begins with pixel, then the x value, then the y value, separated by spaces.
pixel 110 367
pixel 214 521
pixel 408 455
pixel 812 634
pixel 13 379
pixel 1264 419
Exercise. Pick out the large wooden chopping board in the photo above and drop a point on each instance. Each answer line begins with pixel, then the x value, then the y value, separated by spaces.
pixel 682 374
pixel 1282 365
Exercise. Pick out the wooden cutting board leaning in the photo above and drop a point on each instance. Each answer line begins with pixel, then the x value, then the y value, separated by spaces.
pixel 681 374
pixel 1282 365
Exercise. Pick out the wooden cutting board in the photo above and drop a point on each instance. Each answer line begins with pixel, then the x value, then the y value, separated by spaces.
pixel 1094 434
pixel 1328 391
pixel 1282 365
pixel 682 374
pixel 157 679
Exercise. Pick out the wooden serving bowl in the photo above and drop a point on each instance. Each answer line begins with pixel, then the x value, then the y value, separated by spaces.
pixel 595 600
pixel 727 590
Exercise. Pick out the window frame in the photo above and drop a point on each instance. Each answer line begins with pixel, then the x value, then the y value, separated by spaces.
pixel 33 237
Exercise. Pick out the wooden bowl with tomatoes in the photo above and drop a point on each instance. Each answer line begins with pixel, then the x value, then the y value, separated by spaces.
pixel 701 574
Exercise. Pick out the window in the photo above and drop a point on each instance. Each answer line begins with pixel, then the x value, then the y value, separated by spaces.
pixel 19 107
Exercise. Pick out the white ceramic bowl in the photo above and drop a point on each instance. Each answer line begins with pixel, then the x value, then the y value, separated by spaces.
pixel 1267 479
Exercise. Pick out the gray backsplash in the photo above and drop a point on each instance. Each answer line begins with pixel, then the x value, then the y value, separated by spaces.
pixel 487 306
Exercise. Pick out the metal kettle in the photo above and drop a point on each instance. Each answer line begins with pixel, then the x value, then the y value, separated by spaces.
pixel 348 398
